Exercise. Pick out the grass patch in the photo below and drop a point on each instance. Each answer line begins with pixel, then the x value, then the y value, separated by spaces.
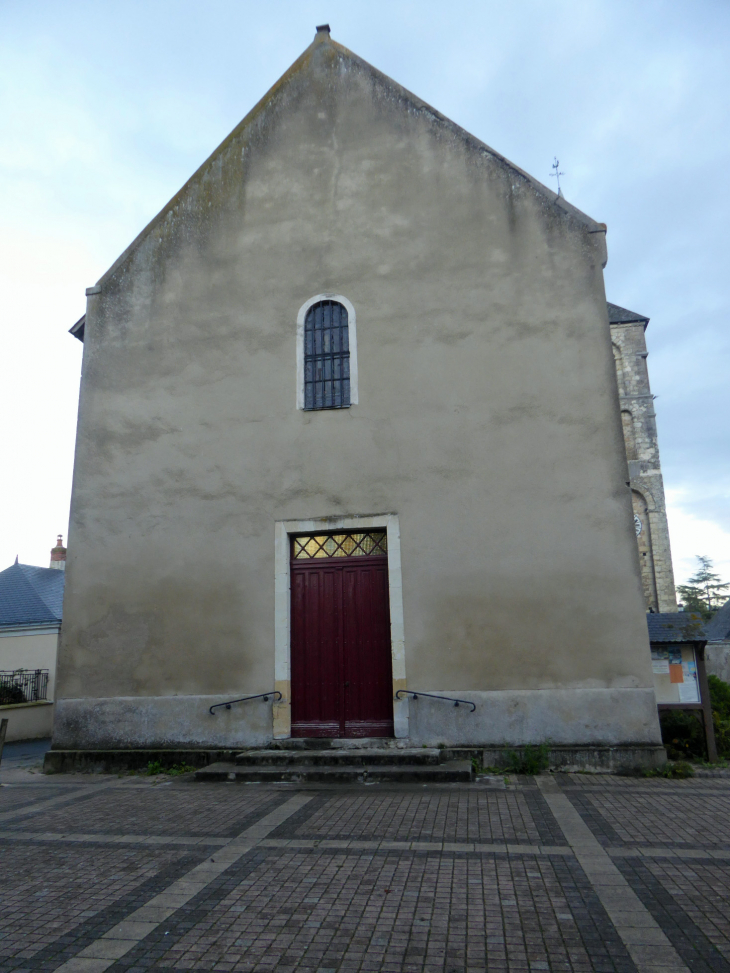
pixel 531 760
pixel 154 767
pixel 679 770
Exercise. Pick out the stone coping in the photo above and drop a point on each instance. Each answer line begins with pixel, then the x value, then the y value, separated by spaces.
pixel 26 704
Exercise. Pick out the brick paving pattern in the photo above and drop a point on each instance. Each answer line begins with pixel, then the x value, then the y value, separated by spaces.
pixel 691 903
pixel 149 810
pixel 691 817
pixel 58 901
pixel 393 911
pixel 520 817
pixel 434 879
pixel 12 798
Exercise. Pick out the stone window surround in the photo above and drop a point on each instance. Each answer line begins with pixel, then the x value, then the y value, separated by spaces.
pixel 352 338
pixel 283 530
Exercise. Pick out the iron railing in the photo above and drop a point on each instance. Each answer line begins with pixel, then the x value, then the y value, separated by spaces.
pixel 244 699
pixel 449 699
pixel 23 685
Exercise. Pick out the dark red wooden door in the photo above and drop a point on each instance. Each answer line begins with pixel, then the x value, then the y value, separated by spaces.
pixel 340 650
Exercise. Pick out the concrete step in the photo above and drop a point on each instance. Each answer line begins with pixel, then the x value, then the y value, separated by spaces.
pixel 452 771
pixel 339 758
pixel 336 743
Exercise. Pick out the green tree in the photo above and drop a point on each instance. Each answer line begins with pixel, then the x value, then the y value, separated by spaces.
pixel 704 592
pixel 720 701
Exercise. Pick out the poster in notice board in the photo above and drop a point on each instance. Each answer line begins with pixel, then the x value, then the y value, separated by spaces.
pixel 675 675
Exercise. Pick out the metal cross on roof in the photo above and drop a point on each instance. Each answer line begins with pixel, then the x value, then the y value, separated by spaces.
pixel 557 173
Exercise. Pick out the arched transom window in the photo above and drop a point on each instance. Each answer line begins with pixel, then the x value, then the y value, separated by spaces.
pixel 326 356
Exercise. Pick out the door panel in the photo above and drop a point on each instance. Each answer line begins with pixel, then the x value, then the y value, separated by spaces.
pixel 367 655
pixel 316 651
pixel 340 651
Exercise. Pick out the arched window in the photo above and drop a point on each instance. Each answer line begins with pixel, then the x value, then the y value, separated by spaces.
pixel 618 362
pixel 627 421
pixel 326 356
pixel 642 527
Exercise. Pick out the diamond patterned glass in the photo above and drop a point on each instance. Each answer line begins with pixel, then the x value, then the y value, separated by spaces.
pixel 326 357
pixel 370 542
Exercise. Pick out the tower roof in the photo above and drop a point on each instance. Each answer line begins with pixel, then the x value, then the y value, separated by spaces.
pixel 620 315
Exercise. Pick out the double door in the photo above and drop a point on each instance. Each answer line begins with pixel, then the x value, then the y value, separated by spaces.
pixel 341 677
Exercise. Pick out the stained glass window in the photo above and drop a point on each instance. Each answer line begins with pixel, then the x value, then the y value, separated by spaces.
pixel 326 357
pixel 370 542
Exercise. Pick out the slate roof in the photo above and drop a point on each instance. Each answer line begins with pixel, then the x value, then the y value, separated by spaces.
pixel 78 329
pixel 719 626
pixel 620 315
pixel 31 595
pixel 676 627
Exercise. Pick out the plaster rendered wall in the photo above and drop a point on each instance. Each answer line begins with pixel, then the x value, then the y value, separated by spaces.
pixel 31 651
pixel 717 660
pixel 487 420
pixel 28 721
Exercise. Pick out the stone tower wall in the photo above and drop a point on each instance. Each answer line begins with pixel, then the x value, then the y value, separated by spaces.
pixel 638 421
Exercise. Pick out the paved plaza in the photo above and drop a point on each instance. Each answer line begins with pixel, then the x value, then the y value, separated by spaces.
pixel 559 872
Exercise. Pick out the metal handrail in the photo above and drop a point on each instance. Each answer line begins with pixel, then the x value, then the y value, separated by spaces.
pixel 243 699
pixel 409 692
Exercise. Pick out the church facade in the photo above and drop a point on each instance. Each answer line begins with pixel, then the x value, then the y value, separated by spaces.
pixel 349 429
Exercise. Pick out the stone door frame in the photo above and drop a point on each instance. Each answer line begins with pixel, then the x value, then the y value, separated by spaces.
pixel 283 530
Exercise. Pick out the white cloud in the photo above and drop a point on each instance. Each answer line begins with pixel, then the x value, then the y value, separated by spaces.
pixel 691 535
pixel 39 381
pixel 96 137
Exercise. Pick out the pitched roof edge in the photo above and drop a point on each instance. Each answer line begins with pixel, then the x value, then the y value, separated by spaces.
pixel 246 120
pixel 30 628
pixel 293 69
pixel 468 137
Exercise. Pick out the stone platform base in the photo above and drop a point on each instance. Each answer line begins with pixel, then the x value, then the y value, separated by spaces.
pixel 596 760
pixel 605 718
pixel 115 761
pixel 593 759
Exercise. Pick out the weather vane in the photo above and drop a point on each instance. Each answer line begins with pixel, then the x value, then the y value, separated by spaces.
pixel 557 173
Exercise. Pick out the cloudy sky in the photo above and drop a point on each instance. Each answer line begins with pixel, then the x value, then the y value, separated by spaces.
pixel 107 107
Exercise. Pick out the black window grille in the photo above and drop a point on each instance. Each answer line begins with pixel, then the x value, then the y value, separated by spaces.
pixel 326 357
pixel 23 685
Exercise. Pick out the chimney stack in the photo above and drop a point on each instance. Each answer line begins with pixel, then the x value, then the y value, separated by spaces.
pixel 58 555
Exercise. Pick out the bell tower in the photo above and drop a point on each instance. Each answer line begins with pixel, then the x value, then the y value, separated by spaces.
pixel 638 421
